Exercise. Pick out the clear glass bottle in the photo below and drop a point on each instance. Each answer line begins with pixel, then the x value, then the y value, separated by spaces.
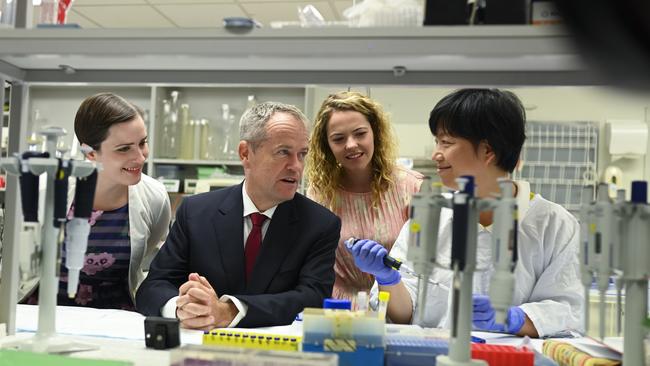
pixel 196 148
pixel 49 12
pixel 7 13
pixel 187 148
pixel 231 133
pixel 251 102
pixel 35 141
pixel 174 137
pixel 163 146
pixel 207 141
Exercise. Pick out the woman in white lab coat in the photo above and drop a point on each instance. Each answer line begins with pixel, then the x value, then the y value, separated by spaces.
pixel 480 132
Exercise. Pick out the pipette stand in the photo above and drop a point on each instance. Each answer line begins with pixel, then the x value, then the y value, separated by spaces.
pixel 461 317
pixel 45 339
pixel 424 224
pixel 624 251
pixel 635 264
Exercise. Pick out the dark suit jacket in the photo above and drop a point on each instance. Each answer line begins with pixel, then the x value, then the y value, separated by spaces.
pixel 294 268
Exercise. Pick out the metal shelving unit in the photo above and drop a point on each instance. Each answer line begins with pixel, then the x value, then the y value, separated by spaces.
pixel 443 55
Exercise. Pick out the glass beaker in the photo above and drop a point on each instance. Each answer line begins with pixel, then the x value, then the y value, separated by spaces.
pixel 49 12
pixel 7 13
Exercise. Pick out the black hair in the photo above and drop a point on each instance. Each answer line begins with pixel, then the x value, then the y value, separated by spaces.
pixel 491 115
pixel 98 113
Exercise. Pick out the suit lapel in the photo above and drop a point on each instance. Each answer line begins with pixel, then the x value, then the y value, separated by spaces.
pixel 278 241
pixel 229 228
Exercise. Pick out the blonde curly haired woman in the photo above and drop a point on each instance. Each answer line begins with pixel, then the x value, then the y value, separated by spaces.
pixel 352 170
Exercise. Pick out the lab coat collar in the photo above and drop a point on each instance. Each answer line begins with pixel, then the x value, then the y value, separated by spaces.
pixel 524 195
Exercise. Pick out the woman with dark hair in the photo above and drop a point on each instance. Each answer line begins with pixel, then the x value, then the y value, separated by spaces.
pixel 352 171
pixel 480 132
pixel 131 211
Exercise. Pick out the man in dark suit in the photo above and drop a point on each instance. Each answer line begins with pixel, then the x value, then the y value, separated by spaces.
pixel 254 254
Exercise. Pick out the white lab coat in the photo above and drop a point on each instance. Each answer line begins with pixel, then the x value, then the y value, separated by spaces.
pixel 547 282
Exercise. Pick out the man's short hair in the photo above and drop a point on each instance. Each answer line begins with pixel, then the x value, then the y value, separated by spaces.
pixel 252 125
pixel 491 115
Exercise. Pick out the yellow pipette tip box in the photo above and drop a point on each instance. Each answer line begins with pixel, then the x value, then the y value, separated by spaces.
pixel 243 339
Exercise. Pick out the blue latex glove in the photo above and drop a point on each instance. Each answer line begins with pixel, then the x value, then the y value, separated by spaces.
pixel 369 257
pixel 483 316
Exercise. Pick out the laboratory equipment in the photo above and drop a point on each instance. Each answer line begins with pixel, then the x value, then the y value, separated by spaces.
pixel 413 350
pixel 423 237
pixel 30 234
pixel 384 298
pixel 165 132
pixel 161 333
pixel 388 260
pixel 208 145
pixel 78 229
pixel 188 134
pixel 49 12
pixel 586 271
pixel 416 350
pixel 604 247
pixel 426 208
pixel 30 166
pixel 357 338
pixel 616 243
pixel 504 248
pixel 503 355
pixel 172 118
pixel 7 13
pixel 360 302
pixel 252 340
pixel 214 355
pixel 230 133
pixel 463 264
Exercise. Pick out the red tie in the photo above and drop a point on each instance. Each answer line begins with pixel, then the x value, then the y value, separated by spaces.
pixel 253 242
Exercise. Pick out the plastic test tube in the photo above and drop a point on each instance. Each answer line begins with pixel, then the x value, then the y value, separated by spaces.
pixel 361 301
pixel 383 304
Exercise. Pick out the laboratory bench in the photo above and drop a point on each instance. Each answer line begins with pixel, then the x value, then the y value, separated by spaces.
pixel 119 334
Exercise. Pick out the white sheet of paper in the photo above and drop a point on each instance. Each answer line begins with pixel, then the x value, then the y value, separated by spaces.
pixel 109 323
